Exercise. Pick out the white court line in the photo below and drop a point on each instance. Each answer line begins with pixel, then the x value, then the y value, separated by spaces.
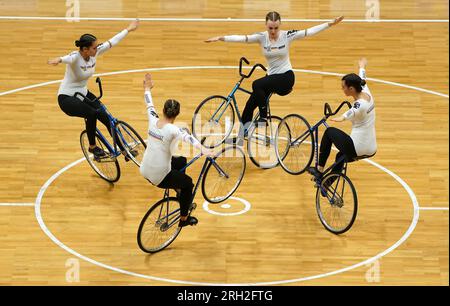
pixel 149 277
pixel 226 67
pixel 222 19
pixel 433 208
pixel 405 236
pixel 368 261
pixel 16 204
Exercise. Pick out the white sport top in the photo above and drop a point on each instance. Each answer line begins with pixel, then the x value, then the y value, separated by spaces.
pixel 277 53
pixel 78 70
pixel 157 160
pixel 362 116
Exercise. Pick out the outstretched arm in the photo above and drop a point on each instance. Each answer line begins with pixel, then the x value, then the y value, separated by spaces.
pixel 237 38
pixel 67 59
pixel 184 135
pixel 293 35
pixel 102 48
pixel 54 61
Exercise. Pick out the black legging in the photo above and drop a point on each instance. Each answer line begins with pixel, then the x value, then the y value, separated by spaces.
pixel 281 84
pixel 176 179
pixel 343 143
pixel 74 107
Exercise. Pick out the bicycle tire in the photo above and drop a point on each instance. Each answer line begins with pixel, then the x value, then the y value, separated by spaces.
pixel 211 134
pixel 158 226
pixel 100 166
pixel 334 202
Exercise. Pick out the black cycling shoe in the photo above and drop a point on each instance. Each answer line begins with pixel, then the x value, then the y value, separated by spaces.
pixel 133 152
pixel 98 153
pixel 189 221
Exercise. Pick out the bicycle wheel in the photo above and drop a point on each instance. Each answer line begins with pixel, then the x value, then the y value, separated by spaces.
pixel 159 227
pixel 106 167
pixel 261 143
pixel 336 203
pixel 294 144
pixel 132 142
pixel 213 121
pixel 223 177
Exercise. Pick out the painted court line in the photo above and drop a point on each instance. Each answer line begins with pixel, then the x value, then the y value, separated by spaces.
pixel 16 204
pixel 433 208
pixel 402 239
pixel 229 19
pixel 155 278
pixel 225 67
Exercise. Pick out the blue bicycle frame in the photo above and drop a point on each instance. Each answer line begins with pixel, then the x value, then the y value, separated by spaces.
pixel 113 124
pixel 231 98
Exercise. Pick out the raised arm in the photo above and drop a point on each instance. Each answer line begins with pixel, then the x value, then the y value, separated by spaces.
pixel 362 74
pixel 103 47
pixel 148 85
pixel 366 95
pixel 294 34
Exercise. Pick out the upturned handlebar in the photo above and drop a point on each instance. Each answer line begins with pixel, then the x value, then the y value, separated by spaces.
pixel 245 76
pixel 99 82
pixel 328 112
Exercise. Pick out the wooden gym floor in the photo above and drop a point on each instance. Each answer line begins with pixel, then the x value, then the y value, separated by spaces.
pixel 400 236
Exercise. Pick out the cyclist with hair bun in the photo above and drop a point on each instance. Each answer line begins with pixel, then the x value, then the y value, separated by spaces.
pixel 80 66
pixel 362 141
pixel 159 166
pixel 275 45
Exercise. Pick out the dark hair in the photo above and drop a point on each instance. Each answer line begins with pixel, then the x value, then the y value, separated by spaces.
pixel 85 41
pixel 171 108
pixel 353 80
pixel 273 16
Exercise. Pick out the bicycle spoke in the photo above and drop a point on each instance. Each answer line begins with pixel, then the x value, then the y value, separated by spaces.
pixel 222 178
pixel 337 211
pixel 159 227
pixel 294 144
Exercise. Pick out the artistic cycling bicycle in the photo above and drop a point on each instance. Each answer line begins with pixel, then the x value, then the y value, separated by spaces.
pixel 214 121
pixel 107 167
pixel 220 177
pixel 336 198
